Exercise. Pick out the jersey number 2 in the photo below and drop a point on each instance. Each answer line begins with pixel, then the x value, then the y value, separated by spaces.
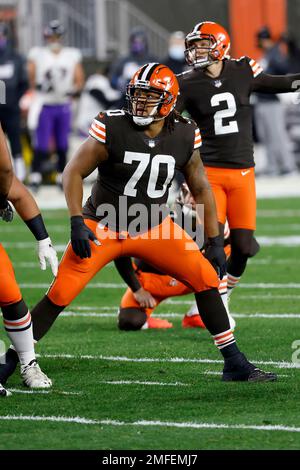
pixel 144 159
pixel 232 126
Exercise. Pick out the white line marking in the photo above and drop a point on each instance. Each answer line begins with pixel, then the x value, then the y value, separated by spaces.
pixel 42 392
pixel 269 296
pixel 107 285
pixel 270 261
pixel 177 360
pixel 137 382
pixel 278 213
pixel 288 241
pixel 170 424
pixel 177 315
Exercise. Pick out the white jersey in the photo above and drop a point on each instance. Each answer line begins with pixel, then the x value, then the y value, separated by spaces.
pixel 88 106
pixel 54 72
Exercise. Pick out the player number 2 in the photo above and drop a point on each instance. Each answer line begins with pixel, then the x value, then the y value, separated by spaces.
pixel 231 126
pixel 144 159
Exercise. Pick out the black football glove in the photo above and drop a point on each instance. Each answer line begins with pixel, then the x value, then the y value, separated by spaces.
pixel 214 252
pixel 81 236
pixel 6 212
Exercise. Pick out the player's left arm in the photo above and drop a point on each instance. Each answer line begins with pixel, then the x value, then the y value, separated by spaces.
pixel 201 191
pixel 265 83
pixel 28 210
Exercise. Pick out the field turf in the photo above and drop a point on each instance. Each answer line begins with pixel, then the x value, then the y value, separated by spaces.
pixel 161 389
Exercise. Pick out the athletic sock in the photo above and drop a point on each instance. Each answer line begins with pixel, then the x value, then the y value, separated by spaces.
pixel 17 323
pixel 232 282
pixel 215 318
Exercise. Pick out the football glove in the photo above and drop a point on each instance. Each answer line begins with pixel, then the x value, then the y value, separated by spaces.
pixel 214 252
pixel 46 252
pixel 81 236
pixel 6 212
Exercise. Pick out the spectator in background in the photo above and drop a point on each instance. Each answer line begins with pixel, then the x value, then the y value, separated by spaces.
pixel 176 58
pixel 269 111
pixel 57 76
pixel 125 67
pixel 13 74
pixel 98 95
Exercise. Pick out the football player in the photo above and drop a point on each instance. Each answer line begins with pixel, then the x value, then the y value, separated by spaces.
pixel 56 75
pixel 16 316
pixel 136 151
pixel 216 94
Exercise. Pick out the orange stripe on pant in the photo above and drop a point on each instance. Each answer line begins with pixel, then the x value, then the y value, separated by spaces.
pixel 9 290
pixel 235 195
pixel 166 247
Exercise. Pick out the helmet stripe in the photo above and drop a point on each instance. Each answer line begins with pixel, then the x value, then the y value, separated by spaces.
pixel 142 71
pixel 148 71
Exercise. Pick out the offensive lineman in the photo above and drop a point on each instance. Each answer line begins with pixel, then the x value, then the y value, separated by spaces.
pixel 137 151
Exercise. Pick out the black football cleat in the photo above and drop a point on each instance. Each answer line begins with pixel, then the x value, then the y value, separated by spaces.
pixel 8 366
pixel 238 369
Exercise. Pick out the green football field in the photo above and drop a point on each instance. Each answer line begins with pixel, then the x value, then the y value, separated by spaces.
pixel 161 389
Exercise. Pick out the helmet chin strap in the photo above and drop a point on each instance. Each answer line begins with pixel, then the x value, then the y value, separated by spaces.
pixel 146 120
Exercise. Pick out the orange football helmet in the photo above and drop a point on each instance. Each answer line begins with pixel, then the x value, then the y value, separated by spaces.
pixel 151 93
pixel 217 49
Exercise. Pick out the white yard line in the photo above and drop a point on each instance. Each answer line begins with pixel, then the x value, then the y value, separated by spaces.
pixel 176 360
pixel 137 382
pixel 176 315
pixel 42 392
pixel 278 213
pixel 119 285
pixel 145 423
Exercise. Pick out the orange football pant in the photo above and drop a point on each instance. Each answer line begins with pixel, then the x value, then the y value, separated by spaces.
pixel 235 195
pixel 167 247
pixel 9 290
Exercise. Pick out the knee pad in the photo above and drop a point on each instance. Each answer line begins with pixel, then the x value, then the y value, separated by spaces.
pixel 131 318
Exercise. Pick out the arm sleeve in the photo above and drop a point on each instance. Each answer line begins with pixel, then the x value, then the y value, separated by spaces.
pixel 266 83
pixel 126 271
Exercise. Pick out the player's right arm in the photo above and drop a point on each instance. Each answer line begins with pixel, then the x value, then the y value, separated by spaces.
pixel 87 158
pixel 6 174
pixel 127 272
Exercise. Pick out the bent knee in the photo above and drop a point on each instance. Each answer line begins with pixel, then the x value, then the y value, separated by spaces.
pixel 131 319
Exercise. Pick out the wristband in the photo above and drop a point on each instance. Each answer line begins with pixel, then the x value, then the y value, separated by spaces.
pixel 37 227
pixel 216 241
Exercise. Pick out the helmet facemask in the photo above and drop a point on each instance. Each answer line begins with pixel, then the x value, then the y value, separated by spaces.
pixel 195 53
pixel 145 103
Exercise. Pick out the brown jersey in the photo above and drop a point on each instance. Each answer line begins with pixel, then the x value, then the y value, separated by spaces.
pixel 139 170
pixel 221 108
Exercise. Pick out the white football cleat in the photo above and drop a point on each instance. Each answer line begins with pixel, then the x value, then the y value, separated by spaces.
pixel 33 377
pixel 4 392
